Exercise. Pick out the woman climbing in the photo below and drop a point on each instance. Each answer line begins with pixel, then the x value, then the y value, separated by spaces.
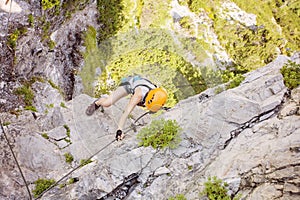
pixel 144 93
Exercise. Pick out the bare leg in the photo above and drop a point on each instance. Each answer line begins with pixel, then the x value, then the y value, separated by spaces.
pixel 112 98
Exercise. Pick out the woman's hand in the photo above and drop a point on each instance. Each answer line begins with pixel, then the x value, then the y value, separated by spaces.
pixel 119 135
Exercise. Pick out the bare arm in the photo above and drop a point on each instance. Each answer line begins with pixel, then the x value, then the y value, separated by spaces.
pixel 135 99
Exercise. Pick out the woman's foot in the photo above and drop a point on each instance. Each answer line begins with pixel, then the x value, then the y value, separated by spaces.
pixel 92 108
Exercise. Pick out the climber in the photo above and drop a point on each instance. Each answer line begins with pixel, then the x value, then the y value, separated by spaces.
pixel 143 93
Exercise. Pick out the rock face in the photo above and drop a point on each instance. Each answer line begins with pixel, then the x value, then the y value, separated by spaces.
pixel 247 136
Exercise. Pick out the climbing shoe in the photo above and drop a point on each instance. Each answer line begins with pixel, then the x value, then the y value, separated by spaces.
pixel 92 108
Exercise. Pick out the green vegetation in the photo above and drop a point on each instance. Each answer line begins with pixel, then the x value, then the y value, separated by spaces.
pixel 185 22
pixel 287 16
pixel 48 4
pixel 12 39
pixel 68 131
pixel 31 108
pixel 160 134
pixel 14 36
pixel 51 105
pixel 216 189
pixel 92 60
pixel 155 14
pixel 235 82
pixel 45 135
pixel 31 20
pixel 26 93
pixel 63 105
pixel 69 158
pixel 85 162
pixel 111 17
pixel 5 123
pixel 178 197
pixel 71 181
pixel 162 56
pixel 291 74
pixel 53 85
pixel 41 185
pixel 51 44
pixel 69 7
pixel 255 46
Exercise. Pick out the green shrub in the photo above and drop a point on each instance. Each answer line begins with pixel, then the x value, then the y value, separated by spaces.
pixel 215 189
pixel 291 75
pixel 160 134
pixel 69 158
pixel 178 197
pixel 41 185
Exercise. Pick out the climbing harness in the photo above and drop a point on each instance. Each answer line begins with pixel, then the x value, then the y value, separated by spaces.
pixel 15 158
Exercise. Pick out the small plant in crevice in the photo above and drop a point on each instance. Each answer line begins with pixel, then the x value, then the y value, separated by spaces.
pixel 72 180
pixel 31 20
pixel 31 108
pixel 178 197
pixel 216 189
pixel 68 131
pixel 41 185
pixel 12 39
pixel 26 92
pixel 6 123
pixel 291 74
pixel 69 158
pixel 51 44
pixel 160 134
pixel 45 135
pixel 63 105
pixel 85 162
pixel 53 85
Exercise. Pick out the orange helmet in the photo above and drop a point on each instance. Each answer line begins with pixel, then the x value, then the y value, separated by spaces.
pixel 155 99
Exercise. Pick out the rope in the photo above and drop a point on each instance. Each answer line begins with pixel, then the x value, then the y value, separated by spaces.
pixel 15 158
pixel 70 172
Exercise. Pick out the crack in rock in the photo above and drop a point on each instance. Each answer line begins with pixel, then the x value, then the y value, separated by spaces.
pixel 255 120
pixel 124 189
